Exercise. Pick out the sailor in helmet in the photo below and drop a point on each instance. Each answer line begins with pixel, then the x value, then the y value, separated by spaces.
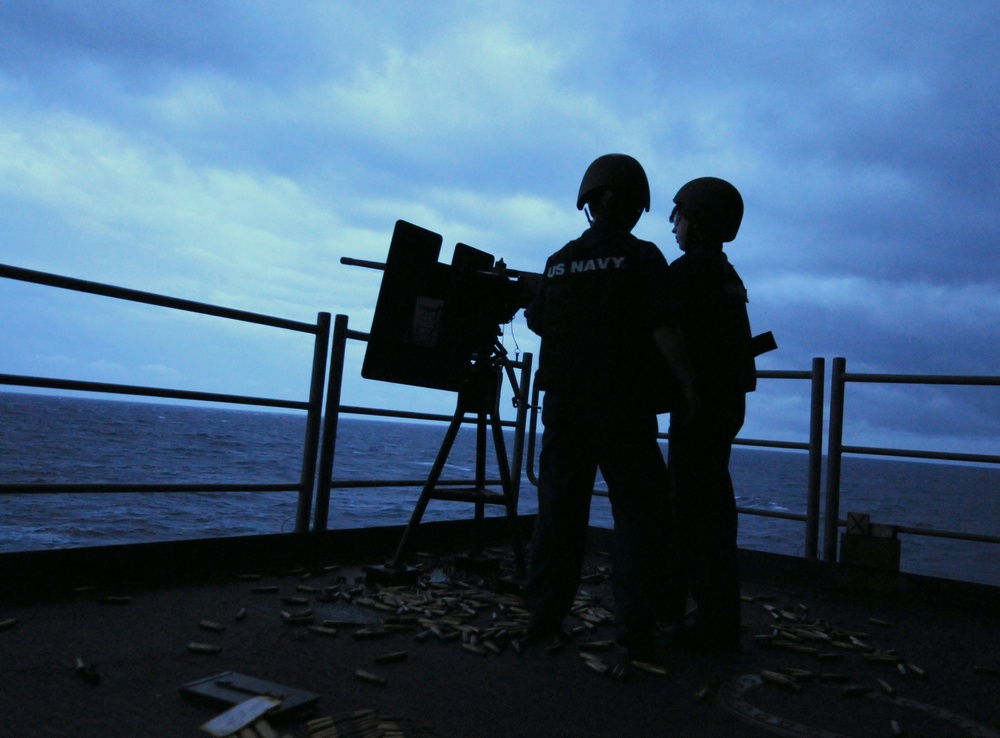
pixel 710 303
pixel 607 339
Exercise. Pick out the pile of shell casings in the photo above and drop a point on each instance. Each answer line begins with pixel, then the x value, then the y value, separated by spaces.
pixel 792 630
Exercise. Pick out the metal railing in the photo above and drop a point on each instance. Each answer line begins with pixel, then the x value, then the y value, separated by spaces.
pixel 313 406
pixel 320 439
pixel 814 447
pixel 837 448
pixel 334 410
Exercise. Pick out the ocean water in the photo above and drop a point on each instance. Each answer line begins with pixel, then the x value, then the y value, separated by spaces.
pixel 47 439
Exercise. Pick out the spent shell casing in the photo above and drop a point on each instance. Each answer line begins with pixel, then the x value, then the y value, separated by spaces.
pixel 372 633
pixel 880 621
pixel 266 589
pixel 916 670
pixel 211 625
pixel 848 633
pixel 766 641
pixel 599 666
pixel 702 694
pixel 896 727
pixel 8 623
pixel 829 656
pixel 834 677
pixel 319 723
pixel 471 648
pixel 241 613
pixel 114 600
pixel 988 670
pixel 391 658
pixel 196 647
pixel 886 687
pixel 814 635
pixel 854 690
pixel 367 676
pixel 650 668
pixel 809 650
pixel 779 679
pixel 322 630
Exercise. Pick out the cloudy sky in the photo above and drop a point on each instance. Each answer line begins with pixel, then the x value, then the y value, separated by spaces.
pixel 232 152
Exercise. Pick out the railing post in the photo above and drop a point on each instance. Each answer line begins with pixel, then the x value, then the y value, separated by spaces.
pixel 815 458
pixel 520 423
pixel 313 418
pixel 330 421
pixel 833 459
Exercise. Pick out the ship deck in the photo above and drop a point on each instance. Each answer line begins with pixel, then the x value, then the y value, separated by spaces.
pixel 868 654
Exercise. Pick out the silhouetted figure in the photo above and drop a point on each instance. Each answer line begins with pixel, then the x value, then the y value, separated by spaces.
pixel 710 304
pixel 603 313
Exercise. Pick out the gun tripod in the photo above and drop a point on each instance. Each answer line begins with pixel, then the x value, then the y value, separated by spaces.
pixel 480 396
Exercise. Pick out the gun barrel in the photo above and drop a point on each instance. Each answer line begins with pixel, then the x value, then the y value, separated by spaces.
pixel 362 263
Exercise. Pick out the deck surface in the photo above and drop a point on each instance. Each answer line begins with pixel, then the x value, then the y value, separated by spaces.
pixel 139 649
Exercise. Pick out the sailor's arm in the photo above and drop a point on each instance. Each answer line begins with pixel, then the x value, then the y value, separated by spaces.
pixel 670 343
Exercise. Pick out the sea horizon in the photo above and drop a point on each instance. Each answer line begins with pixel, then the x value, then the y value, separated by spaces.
pixel 59 439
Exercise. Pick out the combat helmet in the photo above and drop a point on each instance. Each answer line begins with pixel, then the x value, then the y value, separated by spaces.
pixel 714 205
pixel 617 172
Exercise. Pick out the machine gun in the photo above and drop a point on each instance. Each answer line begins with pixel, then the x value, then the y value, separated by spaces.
pixel 436 326
pixel 433 322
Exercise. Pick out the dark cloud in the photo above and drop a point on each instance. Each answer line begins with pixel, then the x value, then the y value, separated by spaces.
pixel 862 135
pixel 136 39
pixel 869 126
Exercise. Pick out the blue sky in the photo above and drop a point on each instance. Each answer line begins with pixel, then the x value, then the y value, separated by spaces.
pixel 232 152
